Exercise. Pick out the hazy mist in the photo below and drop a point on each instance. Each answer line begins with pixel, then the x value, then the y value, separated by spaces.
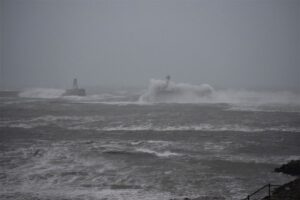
pixel 225 43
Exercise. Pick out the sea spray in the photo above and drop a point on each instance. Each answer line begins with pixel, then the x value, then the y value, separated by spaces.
pixel 45 93
pixel 252 97
pixel 160 91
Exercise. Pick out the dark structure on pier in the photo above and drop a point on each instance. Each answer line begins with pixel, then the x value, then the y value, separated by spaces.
pixel 75 91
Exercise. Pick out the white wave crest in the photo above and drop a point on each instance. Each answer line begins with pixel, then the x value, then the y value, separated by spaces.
pixel 160 91
pixel 45 93
pixel 159 154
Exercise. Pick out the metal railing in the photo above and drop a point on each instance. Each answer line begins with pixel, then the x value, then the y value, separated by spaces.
pixel 267 196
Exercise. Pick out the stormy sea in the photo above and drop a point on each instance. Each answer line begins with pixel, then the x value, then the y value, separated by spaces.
pixel 161 143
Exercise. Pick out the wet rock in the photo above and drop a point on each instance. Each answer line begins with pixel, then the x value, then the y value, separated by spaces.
pixel 291 168
pixel 291 190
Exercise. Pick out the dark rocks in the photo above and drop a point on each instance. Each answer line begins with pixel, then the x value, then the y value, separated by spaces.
pixel 288 191
pixel 291 190
pixel 291 168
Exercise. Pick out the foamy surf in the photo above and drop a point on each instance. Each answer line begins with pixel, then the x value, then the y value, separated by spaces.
pixel 98 123
pixel 201 127
pixel 87 148
pixel 159 154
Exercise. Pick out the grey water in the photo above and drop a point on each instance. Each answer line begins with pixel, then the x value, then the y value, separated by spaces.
pixel 113 146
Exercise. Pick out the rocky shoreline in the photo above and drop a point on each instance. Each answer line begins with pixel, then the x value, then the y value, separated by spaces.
pixel 288 191
pixel 292 168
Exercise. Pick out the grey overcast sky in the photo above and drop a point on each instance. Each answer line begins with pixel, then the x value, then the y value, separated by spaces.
pixel 225 43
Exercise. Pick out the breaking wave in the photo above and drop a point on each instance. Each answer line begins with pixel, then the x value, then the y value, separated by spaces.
pixel 160 91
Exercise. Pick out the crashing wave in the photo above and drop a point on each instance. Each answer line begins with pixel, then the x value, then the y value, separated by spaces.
pixel 160 91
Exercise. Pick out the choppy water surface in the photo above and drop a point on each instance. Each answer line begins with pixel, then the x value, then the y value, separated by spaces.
pixel 116 147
